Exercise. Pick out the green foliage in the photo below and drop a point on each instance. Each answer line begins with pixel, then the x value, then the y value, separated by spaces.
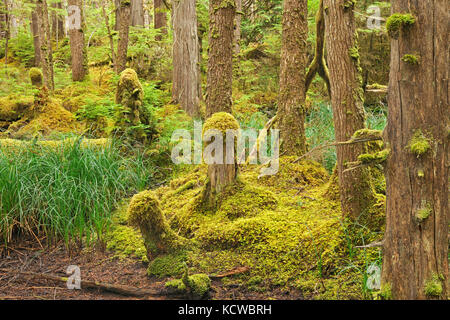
pixel 66 192
pixel 411 59
pixel 22 47
pixel 433 287
pixel 398 21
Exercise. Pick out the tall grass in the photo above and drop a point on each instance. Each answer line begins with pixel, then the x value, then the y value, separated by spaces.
pixel 66 192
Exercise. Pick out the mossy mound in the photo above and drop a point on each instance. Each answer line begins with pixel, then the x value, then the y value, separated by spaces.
pixel 287 236
pixel 221 121
pixel 36 77
pixel 13 107
pixel 300 174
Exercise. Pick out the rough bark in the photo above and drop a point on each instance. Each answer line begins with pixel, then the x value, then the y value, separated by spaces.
pixel 160 17
pixel 291 101
pixel 416 237
pixel 137 13
pixel 356 194
pixel 77 46
pixel 185 90
pixel 220 56
pixel 36 39
pixel 46 44
pixel 124 26
pixel 237 27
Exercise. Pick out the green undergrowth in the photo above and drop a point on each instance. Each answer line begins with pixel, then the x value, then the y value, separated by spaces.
pixel 282 227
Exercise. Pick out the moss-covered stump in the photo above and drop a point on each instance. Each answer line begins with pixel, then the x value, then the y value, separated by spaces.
pixel 145 213
pixel 36 77
pixel 132 118
pixel 222 171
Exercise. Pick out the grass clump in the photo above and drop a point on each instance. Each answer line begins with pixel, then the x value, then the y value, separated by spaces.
pixel 63 191
pixel 433 287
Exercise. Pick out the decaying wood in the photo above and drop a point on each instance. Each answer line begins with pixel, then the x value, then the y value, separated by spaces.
pixel 372 245
pixel 233 272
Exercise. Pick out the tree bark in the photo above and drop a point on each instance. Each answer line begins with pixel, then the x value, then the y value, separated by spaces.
pixel 36 39
pixel 46 44
pixel 237 27
pixel 186 74
pixel 57 22
pixel 137 13
pixel 77 45
pixel 415 263
pixel 160 17
pixel 356 194
pixel 122 50
pixel 291 101
pixel 220 60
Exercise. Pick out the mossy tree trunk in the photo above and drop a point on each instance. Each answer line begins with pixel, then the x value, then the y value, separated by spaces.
pixel 356 193
pixel 57 22
pixel 237 27
pixel 294 59
pixel 160 17
pixel 415 263
pixel 185 90
pixel 220 56
pixel 77 45
pixel 124 26
pixel 46 44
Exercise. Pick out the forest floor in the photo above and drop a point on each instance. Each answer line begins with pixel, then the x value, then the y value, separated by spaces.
pixel 95 265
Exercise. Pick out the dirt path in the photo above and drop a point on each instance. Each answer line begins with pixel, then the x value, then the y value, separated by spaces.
pixel 95 265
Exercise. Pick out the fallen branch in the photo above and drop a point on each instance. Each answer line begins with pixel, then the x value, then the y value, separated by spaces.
pixel 334 144
pixel 233 272
pixel 372 245
pixel 114 288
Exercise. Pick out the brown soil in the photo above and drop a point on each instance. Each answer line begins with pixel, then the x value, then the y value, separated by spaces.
pixel 95 265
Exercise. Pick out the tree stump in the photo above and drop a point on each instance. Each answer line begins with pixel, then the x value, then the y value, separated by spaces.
pixel 219 155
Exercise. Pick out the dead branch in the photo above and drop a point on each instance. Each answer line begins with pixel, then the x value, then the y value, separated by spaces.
pixel 372 245
pixel 233 272
pixel 334 144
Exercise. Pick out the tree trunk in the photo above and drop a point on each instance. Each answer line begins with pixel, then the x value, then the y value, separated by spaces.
pixel 237 27
pixel 347 100
pixel 57 22
pixel 185 56
pixel 160 17
pixel 415 263
pixel 77 44
pixel 46 44
pixel 122 50
pixel 110 35
pixel 220 61
pixel 36 40
pixel 137 13
pixel 294 59
pixel 117 14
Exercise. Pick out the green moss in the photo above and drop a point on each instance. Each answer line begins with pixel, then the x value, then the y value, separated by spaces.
pixel 420 173
pixel 397 22
pixel 14 107
pixel 145 212
pixel 425 210
pixel 433 287
pixel 168 265
pixel 124 240
pixel 386 291
pixel 374 158
pixel 36 77
pixel 419 144
pixel 354 53
pixel 197 285
pixel 411 59
pixel 221 121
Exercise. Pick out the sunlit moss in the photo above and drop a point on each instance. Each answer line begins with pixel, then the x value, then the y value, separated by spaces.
pixel 397 21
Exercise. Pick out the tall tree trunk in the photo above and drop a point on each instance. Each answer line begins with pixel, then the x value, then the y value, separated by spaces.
pixel 7 34
pixel 291 101
pixel 46 44
pixel 160 17
pixel 220 60
pixel 110 35
pixel 57 22
pixel 117 14
pixel 186 74
pixel 347 100
pixel 36 40
pixel 137 13
pixel 415 263
pixel 77 44
pixel 237 27
pixel 122 50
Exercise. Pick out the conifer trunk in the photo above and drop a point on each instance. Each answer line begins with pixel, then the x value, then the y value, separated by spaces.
pixel 77 45
pixel 415 263
pixel 124 26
